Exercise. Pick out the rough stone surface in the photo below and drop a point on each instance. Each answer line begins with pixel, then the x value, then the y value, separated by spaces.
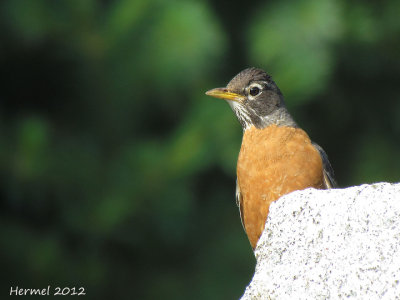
pixel 331 244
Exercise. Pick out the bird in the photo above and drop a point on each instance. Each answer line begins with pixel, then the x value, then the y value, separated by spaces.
pixel 276 156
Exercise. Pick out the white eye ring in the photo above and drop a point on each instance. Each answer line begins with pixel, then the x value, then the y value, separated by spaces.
pixel 254 90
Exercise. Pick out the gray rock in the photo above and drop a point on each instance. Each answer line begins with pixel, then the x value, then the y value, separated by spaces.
pixel 331 244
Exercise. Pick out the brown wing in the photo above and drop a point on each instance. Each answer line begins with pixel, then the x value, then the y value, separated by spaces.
pixel 329 175
pixel 239 200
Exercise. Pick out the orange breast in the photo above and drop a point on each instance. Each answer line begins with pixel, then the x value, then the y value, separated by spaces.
pixel 273 162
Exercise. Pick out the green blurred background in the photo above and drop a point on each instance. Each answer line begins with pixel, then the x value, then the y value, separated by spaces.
pixel 118 173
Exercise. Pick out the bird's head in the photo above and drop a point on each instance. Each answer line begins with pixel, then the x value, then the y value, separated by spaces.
pixel 255 99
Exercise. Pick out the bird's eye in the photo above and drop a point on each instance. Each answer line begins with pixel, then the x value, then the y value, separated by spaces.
pixel 254 91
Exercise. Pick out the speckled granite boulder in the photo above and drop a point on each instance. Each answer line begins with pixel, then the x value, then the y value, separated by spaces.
pixel 331 244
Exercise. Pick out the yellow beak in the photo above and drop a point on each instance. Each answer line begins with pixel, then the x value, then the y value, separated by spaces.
pixel 223 93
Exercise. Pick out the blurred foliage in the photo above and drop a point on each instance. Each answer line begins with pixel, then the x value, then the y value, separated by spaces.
pixel 118 174
pixel 305 71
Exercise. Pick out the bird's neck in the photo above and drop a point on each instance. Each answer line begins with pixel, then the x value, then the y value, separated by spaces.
pixel 279 117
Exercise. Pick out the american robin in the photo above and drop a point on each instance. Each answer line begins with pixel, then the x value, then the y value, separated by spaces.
pixel 276 157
